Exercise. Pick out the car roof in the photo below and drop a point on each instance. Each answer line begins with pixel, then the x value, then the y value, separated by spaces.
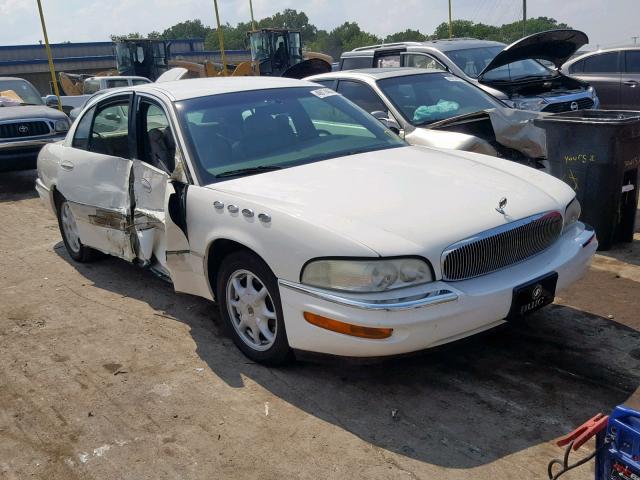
pixel 118 77
pixel 203 87
pixel 374 73
pixel 443 45
pixel 584 55
pixel 14 78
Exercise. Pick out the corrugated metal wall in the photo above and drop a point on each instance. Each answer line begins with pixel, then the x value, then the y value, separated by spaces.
pixel 30 61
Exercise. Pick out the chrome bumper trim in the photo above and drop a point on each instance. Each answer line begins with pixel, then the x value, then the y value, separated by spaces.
pixel 34 142
pixel 429 299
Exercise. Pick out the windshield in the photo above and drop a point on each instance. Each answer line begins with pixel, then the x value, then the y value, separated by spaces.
pixel 20 92
pixel 430 97
pixel 473 60
pixel 276 128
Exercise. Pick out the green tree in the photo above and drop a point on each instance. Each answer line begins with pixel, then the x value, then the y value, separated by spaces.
pixel 187 29
pixel 346 37
pixel 407 36
pixel 508 33
pixel 128 36
pixel 234 37
pixel 292 20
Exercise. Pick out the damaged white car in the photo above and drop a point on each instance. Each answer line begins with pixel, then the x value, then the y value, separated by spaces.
pixel 312 226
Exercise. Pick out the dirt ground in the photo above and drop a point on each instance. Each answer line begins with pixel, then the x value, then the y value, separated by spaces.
pixel 106 373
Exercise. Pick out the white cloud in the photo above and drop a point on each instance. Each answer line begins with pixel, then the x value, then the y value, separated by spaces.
pixel 606 22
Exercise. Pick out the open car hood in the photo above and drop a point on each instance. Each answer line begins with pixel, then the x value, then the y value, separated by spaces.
pixel 556 46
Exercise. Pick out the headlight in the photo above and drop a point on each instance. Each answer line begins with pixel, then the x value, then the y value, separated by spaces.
pixel 535 104
pixel 366 275
pixel 572 213
pixel 62 125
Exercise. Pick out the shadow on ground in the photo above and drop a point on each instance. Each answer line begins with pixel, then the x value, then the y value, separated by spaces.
pixel 458 406
pixel 17 185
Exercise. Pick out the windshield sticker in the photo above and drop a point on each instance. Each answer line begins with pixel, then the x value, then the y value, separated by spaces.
pixel 453 79
pixel 324 92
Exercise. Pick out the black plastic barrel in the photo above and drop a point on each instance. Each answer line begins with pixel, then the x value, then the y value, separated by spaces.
pixel 597 152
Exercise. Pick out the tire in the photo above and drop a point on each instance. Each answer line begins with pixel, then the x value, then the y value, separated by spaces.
pixel 255 321
pixel 66 223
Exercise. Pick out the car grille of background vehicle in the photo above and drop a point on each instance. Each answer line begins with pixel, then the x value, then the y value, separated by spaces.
pixel 583 104
pixel 501 247
pixel 28 128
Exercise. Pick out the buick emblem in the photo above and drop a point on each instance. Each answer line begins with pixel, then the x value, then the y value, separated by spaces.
pixel 574 106
pixel 537 292
pixel 23 129
pixel 501 204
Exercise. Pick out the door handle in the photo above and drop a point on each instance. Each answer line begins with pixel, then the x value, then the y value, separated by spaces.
pixel 145 184
pixel 67 165
pixel 631 83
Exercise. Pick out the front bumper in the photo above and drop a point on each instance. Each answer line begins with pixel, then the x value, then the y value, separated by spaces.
pixel 23 154
pixel 427 315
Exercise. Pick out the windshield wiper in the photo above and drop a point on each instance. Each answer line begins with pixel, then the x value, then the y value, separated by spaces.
pixel 248 171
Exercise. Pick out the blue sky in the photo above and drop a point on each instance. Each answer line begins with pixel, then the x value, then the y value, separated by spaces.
pixel 609 22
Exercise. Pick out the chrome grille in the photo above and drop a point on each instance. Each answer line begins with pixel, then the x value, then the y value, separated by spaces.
pixel 501 247
pixel 583 104
pixel 26 128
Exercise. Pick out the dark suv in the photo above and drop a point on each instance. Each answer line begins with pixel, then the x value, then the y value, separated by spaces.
pixel 26 124
pixel 524 75
pixel 615 74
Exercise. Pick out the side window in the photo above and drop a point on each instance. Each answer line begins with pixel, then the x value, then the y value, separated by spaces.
pixel 117 83
pixel 362 96
pixel 110 130
pixel 353 63
pixel 603 63
pixel 158 147
pixel 577 67
pixel 91 86
pixel 422 61
pixel 632 61
pixel 83 130
pixel 388 61
pixel 139 82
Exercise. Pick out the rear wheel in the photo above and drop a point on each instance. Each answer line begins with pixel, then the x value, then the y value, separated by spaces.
pixel 249 302
pixel 71 236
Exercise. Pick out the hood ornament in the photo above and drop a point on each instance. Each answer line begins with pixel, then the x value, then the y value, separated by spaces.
pixel 501 204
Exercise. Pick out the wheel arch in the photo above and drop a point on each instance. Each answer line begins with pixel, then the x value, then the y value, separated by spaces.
pixel 216 252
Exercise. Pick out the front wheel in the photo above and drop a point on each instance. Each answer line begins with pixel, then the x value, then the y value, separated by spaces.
pixel 249 302
pixel 70 235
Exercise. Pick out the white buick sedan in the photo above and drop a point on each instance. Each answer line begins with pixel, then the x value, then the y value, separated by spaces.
pixel 312 226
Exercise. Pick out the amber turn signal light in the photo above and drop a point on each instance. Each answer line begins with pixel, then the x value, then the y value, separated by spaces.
pixel 347 328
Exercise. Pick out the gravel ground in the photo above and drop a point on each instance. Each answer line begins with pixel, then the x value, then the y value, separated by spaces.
pixel 106 373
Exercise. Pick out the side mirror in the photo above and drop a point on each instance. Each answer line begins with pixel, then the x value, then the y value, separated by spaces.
pixel 388 122
pixel 51 101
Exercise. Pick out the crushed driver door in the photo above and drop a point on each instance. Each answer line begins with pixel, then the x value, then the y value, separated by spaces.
pixel 159 199
pixel 159 217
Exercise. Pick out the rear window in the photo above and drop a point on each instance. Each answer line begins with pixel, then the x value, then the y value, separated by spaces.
pixel 353 63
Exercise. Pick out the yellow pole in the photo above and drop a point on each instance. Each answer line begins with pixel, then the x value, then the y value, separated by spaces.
pixel 220 39
pixel 450 27
pixel 49 56
pixel 253 22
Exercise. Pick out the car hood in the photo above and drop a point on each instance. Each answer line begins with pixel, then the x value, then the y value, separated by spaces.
pixel 404 200
pixel 556 46
pixel 30 111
